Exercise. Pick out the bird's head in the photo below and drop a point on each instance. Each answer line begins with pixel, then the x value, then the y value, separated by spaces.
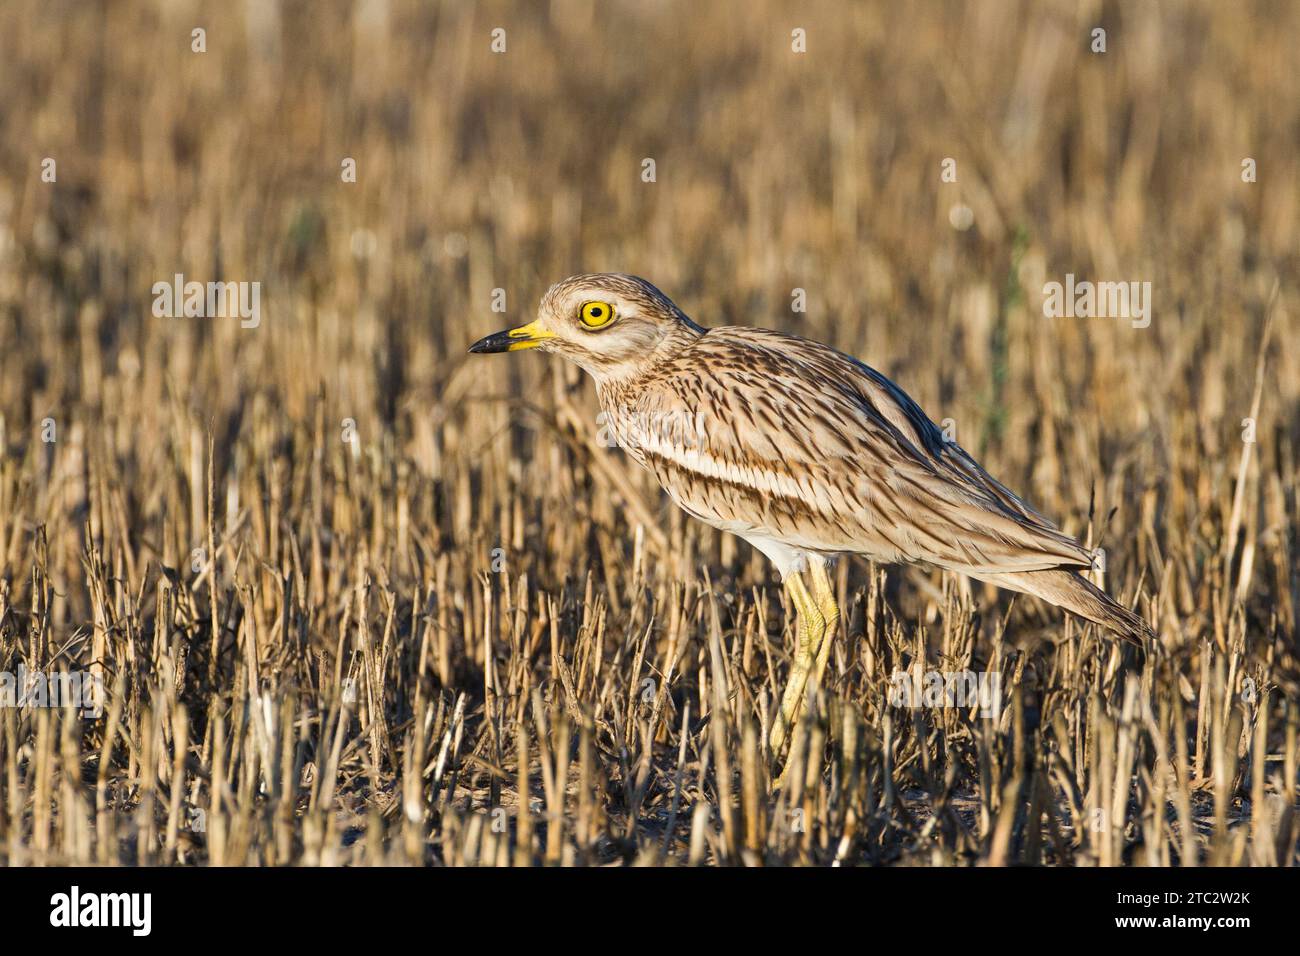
pixel 612 325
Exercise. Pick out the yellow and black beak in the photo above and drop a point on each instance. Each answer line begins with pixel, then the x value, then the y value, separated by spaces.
pixel 513 340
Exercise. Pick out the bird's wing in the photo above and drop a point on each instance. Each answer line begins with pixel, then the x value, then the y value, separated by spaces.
pixel 758 432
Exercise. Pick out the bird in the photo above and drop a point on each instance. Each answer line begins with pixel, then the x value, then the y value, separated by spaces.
pixel 806 453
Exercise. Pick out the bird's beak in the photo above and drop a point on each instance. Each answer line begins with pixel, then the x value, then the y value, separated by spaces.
pixel 512 340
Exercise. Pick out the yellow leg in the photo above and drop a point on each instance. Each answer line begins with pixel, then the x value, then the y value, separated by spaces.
pixel 824 594
pixel 809 632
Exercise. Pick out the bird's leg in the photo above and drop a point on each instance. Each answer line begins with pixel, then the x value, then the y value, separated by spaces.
pixel 809 632
pixel 823 592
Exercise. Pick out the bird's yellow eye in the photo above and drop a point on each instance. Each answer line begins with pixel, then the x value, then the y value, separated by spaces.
pixel 597 314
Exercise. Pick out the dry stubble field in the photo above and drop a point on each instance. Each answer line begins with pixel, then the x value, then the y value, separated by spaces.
pixel 357 597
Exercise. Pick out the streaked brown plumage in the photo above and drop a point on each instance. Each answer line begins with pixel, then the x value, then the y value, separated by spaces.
pixel 824 454
pixel 800 449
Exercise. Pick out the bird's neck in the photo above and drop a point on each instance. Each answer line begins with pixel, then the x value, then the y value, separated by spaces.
pixel 619 382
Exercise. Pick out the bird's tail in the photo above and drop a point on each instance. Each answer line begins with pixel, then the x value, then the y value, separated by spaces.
pixel 1075 593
